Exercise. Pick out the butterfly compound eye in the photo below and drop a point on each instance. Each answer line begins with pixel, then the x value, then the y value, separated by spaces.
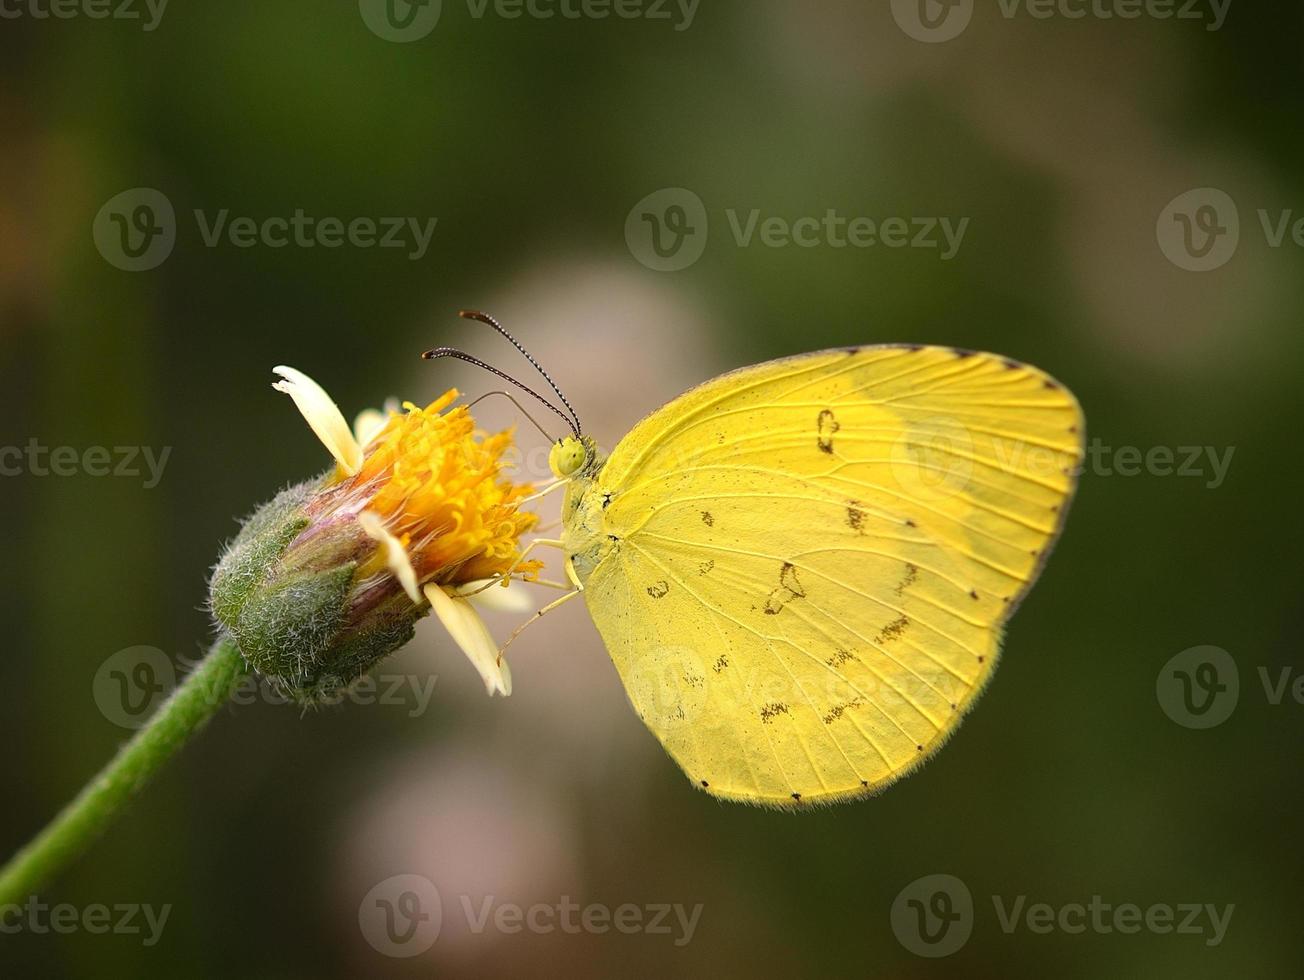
pixel 566 457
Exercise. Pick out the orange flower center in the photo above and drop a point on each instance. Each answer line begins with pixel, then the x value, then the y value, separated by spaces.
pixel 438 484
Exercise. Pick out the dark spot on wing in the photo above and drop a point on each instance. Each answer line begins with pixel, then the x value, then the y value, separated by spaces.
pixel 658 590
pixel 788 579
pixel 919 748
pixel 973 593
pixel 797 797
pixel 855 516
pixel 825 426
pixel 981 659
pixel 707 519
pixel 705 783
pixel 1011 365
pixel 606 500
pixel 914 348
pixel 789 588
pixel 892 630
pixel 910 523
pixel 961 352
pixel 721 662
pixel 840 657
pixel 836 711
pixel 911 576
pixel 1050 384
pixel 706 566
pixel 772 711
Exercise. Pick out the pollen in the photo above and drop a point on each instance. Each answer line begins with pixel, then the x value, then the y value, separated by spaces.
pixel 443 488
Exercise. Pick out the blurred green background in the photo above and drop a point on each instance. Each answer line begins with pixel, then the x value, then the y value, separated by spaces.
pixel 531 140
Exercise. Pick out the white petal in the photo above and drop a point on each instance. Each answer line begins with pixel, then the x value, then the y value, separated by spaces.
pixel 322 415
pixel 515 598
pixel 469 632
pixel 368 425
pixel 396 556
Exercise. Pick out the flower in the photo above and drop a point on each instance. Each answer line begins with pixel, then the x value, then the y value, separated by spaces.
pixel 417 515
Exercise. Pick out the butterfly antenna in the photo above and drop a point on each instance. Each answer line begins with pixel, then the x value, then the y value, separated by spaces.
pixel 486 318
pixel 461 355
pixel 519 407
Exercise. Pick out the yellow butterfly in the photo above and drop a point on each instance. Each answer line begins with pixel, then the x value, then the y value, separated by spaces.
pixel 801 569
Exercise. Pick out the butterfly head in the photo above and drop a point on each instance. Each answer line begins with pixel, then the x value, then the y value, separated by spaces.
pixel 572 456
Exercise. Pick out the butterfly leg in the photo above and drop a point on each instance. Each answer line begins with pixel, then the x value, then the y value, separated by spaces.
pixel 537 542
pixel 544 492
pixel 546 609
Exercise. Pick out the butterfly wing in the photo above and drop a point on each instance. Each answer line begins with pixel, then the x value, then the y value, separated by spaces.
pixel 807 563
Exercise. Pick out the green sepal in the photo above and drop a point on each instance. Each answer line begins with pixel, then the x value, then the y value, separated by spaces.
pixel 262 540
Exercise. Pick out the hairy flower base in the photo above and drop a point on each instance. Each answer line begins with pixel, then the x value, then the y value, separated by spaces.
pixel 299 614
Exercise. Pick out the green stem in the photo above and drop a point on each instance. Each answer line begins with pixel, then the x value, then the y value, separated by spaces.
pixel 206 689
